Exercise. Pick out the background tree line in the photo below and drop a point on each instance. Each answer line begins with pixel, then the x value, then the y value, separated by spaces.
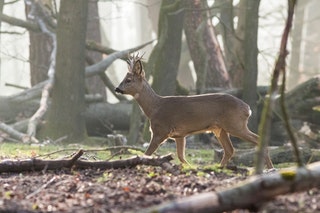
pixel 65 42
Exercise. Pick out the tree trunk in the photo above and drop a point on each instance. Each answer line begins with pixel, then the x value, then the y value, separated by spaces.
pixel 228 35
pixel 217 75
pixel 94 84
pixel 193 19
pixel 310 51
pixel 250 95
pixel 1 12
pixel 204 47
pixel 164 60
pixel 236 61
pixel 104 118
pixel 40 48
pixel 65 116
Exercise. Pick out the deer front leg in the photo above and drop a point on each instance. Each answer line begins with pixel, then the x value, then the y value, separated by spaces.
pixel 224 139
pixel 154 144
pixel 181 146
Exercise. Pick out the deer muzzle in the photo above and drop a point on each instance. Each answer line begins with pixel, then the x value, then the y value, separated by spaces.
pixel 118 90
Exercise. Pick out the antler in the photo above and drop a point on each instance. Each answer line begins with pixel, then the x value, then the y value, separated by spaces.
pixel 132 59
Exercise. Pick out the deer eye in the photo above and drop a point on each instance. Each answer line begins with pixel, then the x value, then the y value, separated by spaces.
pixel 128 80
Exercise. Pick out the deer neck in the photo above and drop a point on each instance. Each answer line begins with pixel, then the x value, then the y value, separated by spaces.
pixel 147 99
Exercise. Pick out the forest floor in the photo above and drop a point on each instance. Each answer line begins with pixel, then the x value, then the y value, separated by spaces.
pixel 127 190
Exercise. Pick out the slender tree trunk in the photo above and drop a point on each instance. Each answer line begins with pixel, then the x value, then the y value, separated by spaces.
pixel 165 57
pixel 251 60
pixel 236 61
pixel 94 84
pixel 192 21
pixel 65 117
pixel 228 34
pixel 1 11
pixel 217 75
pixel 39 49
pixel 294 68
pixel 204 48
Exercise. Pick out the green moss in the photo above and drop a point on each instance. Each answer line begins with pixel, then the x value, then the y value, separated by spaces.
pixel 288 174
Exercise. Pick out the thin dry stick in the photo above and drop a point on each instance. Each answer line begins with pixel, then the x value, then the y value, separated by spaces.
pixel 293 139
pixel 41 188
pixel 92 150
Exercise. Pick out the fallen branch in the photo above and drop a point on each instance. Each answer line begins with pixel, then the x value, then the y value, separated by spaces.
pixel 16 134
pixel 41 188
pixel 38 164
pixel 249 195
pixel 94 150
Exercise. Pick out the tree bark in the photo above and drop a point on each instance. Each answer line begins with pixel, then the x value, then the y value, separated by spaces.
pixel 295 72
pixel 217 74
pixel 204 48
pixel 65 116
pixel 227 31
pixel 164 60
pixel 94 84
pixel 234 40
pixel 250 95
pixel 192 21
pixel 40 45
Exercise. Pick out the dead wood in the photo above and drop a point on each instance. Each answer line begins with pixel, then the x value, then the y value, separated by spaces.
pixel 35 164
pixel 24 138
pixel 249 195
pixel 281 154
pixel 39 16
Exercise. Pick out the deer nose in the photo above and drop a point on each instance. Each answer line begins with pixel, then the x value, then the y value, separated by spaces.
pixel 118 90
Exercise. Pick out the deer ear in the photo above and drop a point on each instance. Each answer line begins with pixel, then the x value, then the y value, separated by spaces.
pixel 137 68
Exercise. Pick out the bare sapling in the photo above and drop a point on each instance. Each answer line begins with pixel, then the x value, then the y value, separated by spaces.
pixel 179 116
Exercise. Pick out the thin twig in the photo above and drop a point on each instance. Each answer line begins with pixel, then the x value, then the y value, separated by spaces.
pixel 41 188
pixel 92 150
pixel 293 139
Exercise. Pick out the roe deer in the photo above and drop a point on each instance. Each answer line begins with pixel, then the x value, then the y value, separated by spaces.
pixel 179 116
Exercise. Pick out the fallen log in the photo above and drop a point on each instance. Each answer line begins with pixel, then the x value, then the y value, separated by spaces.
pixel 250 194
pixel 281 154
pixel 35 164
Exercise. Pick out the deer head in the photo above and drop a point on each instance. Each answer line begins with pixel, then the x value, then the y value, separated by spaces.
pixel 133 81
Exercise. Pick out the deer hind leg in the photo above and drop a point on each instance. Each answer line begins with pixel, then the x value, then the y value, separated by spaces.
pixel 224 139
pixel 246 135
pixel 181 146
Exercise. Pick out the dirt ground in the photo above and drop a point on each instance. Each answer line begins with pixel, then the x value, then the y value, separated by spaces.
pixel 125 190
